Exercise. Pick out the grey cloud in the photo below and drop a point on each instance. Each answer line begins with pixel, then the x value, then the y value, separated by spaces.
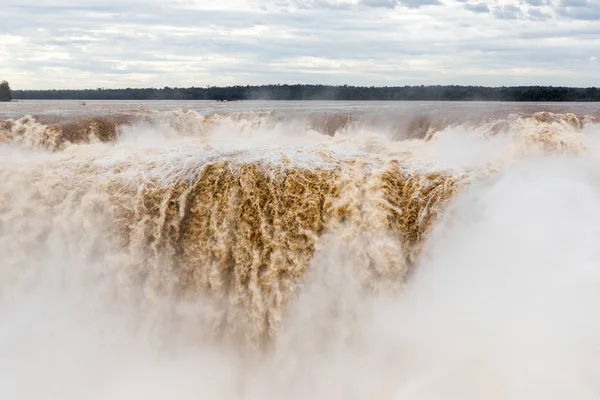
pixel 535 10
pixel 324 4
pixel 478 8
pixel 508 12
pixel 536 3
pixel 590 14
pixel 580 9
pixel 394 3
pixel 574 3
pixel 379 3
pixel 537 14
pixel 420 3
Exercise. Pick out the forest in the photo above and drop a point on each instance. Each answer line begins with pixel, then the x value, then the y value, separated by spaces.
pixel 323 92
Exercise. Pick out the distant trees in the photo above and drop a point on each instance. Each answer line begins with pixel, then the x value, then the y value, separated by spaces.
pixel 322 92
pixel 5 92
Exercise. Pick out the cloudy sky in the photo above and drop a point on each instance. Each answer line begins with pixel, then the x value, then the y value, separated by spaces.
pixel 156 43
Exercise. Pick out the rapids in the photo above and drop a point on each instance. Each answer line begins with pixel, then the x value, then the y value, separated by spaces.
pixel 292 251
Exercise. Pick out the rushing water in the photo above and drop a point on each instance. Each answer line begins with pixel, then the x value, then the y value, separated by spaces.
pixel 294 250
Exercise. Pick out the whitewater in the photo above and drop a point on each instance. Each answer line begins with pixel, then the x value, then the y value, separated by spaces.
pixel 299 250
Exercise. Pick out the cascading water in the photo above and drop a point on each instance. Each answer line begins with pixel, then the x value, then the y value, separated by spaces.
pixel 279 254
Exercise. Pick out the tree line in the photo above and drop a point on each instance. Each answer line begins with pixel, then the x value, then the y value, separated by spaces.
pixel 323 92
pixel 5 92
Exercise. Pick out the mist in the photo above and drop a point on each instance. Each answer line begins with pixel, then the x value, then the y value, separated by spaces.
pixel 242 257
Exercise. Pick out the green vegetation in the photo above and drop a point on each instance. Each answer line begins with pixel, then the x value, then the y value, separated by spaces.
pixel 5 92
pixel 321 92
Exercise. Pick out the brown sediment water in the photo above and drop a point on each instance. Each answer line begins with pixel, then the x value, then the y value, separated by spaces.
pixel 205 228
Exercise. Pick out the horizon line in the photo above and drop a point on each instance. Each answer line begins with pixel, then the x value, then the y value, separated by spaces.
pixel 314 84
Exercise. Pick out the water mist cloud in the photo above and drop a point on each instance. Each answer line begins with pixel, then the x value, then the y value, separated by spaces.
pixel 291 254
pixel 510 286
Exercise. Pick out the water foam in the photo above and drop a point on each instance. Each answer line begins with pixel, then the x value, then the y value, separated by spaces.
pixel 276 263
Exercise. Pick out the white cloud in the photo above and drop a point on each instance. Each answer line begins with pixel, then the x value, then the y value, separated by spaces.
pixel 135 43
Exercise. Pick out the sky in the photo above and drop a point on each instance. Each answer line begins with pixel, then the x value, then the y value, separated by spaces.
pixel 62 44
